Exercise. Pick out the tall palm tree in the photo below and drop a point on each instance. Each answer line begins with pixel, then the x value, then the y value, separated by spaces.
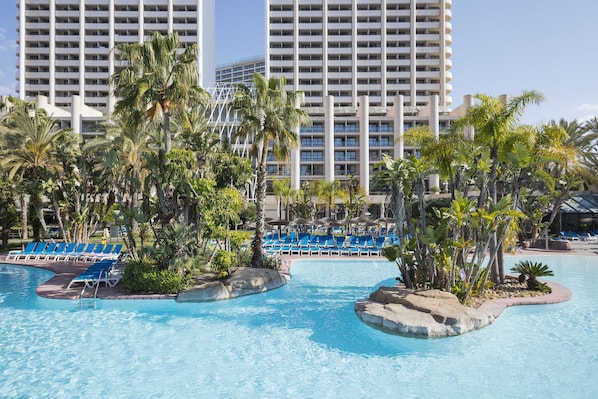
pixel 329 192
pixel 157 79
pixel 123 151
pixel 495 121
pixel 269 114
pixel 30 152
pixel 583 139
pixel 198 137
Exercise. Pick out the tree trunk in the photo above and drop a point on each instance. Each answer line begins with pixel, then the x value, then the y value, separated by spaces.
pixel 167 138
pixel 260 202
pixel 555 211
pixel 59 218
pixel 24 198
pixel 39 210
pixel 493 265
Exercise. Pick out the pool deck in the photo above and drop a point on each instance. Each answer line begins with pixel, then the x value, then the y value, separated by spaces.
pixel 56 287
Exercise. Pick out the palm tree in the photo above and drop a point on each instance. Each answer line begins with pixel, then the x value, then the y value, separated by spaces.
pixel 124 151
pixel 395 177
pixel 270 115
pixel 283 192
pixel 583 140
pixel 157 79
pixel 30 153
pixel 329 192
pixel 495 120
pixel 198 137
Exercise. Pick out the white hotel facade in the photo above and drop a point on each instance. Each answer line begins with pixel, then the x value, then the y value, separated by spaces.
pixel 370 70
pixel 65 56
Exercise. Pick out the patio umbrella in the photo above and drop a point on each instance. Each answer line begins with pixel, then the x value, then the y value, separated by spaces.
pixel 323 221
pixel 279 222
pixel 300 222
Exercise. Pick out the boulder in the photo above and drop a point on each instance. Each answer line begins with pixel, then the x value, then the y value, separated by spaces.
pixel 205 292
pixel 423 313
pixel 243 281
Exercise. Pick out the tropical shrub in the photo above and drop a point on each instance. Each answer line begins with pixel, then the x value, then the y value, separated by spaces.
pixel 272 262
pixel 532 270
pixel 238 239
pixel 142 276
pixel 244 258
pixel 222 262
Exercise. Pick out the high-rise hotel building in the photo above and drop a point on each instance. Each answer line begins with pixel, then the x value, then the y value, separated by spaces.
pixel 369 69
pixel 65 45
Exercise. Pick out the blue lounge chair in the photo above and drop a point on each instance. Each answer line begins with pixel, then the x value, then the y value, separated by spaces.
pixel 75 252
pixel 47 250
pixel 99 272
pixel 39 249
pixel 354 251
pixel 96 253
pixel 14 254
pixel 58 250
pixel 81 255
pixel 375 252
pixel 70 248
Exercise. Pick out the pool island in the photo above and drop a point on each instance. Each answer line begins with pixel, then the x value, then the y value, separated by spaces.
pixel 432 313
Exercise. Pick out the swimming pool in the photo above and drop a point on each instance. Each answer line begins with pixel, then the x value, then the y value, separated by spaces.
pixel 300 341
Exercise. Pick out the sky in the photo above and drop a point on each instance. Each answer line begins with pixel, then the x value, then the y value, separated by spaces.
pixel 498 47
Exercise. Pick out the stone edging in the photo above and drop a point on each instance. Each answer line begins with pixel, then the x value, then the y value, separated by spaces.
pixel 559 294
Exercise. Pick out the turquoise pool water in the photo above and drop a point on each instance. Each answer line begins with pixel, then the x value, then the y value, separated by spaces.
pixel 300 341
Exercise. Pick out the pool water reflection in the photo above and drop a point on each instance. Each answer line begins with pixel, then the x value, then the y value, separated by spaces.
pixel 300 341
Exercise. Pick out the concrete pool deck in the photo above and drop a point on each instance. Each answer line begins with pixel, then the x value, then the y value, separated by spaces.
pixel 56 287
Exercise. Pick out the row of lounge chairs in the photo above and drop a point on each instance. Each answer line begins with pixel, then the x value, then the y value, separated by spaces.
pixel 104 271
pixel 574 236
pixel 72 252
pixel 328 245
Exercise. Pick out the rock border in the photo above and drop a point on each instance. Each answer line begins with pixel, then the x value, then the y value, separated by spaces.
pixel 243 281
pixel 436 314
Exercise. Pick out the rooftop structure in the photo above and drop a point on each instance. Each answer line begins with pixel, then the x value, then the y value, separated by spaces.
pixel 240 71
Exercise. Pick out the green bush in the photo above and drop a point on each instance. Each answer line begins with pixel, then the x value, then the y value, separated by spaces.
pixel 223 260
pixel 244 258
pixel 238 239
pixel 272 262
pixel 142 276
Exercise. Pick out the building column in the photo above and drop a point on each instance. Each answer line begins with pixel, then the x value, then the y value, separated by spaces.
pixel 111 43
pixel 468 131
pixel 170 18
pixel 82 48
pixel 76 105
pixel 140 31
pixel 52 54
pixel 329 138
pixel 364 143
pixel 22 48
pixel 295 155
pixel 434 122
pixel 399 127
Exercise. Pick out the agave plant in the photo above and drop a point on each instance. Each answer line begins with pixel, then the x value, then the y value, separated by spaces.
pixel 532 270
